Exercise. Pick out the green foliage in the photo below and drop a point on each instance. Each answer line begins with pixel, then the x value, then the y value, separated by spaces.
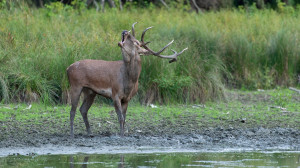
pixel 2 4
pixel 282 98
pixel 54 8
pixel 58 8
pixel 261 52
pixel 284 8
pixel 172 87
pixel 78 5
pixel 3 90
pixel 173 82
pixel 253 8
pixel 232 47
pixel 283 51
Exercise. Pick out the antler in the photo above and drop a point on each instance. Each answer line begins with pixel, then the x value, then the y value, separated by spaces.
pixel 172 57
pixel 133 33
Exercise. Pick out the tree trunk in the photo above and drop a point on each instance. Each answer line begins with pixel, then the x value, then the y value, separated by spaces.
pixel 195 6
pixel 121 7
pixel 96 5
pixel 111 3
pixel 102 5
pixel 41 3
pixel 163 2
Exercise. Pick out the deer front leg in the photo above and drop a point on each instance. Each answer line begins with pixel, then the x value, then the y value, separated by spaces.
pixel 124 110
pixel 118 108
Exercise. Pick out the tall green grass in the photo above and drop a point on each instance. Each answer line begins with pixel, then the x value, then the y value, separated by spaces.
pixel 226 48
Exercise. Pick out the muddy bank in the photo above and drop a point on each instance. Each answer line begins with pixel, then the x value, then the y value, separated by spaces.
pixel 206 140
pixel 248 121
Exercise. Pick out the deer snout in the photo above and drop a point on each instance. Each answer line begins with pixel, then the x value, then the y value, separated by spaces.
pixel 124 35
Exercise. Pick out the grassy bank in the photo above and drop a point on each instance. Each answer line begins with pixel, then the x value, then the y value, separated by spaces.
pixel 256 49
pixel 268 109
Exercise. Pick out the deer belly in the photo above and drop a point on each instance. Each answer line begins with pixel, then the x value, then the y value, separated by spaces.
pixel 105 92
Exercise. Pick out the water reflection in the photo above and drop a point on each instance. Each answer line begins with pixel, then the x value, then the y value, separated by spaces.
pixel 174 160
pixel 84 163
pixel 121 163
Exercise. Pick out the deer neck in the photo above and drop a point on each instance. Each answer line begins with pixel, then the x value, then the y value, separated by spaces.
pixel 132 68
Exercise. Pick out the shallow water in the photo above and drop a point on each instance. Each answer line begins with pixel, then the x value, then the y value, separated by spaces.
pixel 149 160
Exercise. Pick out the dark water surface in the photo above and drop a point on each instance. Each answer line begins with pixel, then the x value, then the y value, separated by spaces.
pixel 164 160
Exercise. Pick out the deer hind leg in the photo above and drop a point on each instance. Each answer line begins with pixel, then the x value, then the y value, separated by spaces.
pixel 88 100
pixel 124 110
pixel 75 94
pixel 118 108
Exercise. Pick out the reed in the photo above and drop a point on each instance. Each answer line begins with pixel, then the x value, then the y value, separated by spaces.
pixel 229 48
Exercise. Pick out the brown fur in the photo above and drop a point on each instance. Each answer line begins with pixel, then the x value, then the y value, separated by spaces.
pixel 117 80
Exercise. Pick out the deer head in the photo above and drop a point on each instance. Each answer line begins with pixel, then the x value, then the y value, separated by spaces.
pixel 128 46
pixel 131 46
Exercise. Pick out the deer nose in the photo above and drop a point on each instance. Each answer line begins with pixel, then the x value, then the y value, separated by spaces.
pixel 125 32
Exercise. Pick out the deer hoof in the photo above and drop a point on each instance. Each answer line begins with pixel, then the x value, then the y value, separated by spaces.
pixel 91 135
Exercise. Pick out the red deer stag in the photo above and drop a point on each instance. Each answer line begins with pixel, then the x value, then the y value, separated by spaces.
pixel 117 80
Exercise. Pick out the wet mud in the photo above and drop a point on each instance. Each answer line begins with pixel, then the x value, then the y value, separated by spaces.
pixel 210 139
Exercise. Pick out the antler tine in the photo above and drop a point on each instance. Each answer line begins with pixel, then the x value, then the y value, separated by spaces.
pixel 164 47
pixel 133 32
pixel 181 51
pixel 172 57
pixel 143 34
pixel 144 44
pixel 160 51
